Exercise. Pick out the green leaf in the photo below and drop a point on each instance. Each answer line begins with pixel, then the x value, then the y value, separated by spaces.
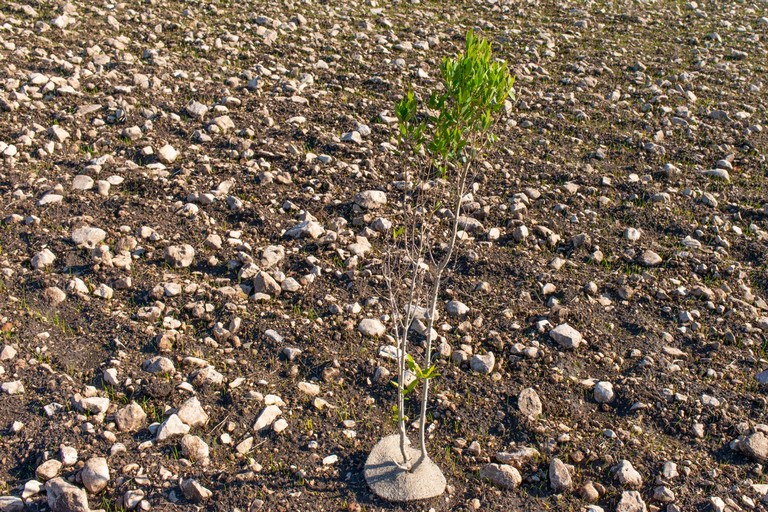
pixel 412 365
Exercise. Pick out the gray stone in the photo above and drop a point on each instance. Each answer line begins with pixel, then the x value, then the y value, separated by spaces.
pixel 132 498
pixel 88 237
pixel 631 501
pixel 54 295
pixel 132 133
pixel 48 470
pixel 483 363
pixel 167 154
pixel 109 376
pixel 529 403
pixel 669 470
pixel 663 494
pixel 194 492
pixel 267 417
pixel 456 309
pixel 224 123
pixel 207 376
pixel 158 364
pixel 92 404
pixel 8 353
pixel 353 136
pixel 194 449
pixel 50 199
pixel 391 483
pixel 755 446
pixel 14 387
pixel 718 174
pixel 172 427
pixel 272 255
pixel 604 392
pixel 65 497
pixel 31 488
pixel 627 475
pixel 95 474
pixel 371 199
pixel 371 327
pixel 11 504
pixel 566 336
pixel 632 234
pixel 58 133
pixel 559 476
pixel 470 224
pixel 68 455
pixel 192 413
pixel 503 476
pixel 43 259
pixel 180 256
pixel 82 182
pixel 264 283
pixel 305 229
pixel 196 109
pixel 650 258
pixel 131 418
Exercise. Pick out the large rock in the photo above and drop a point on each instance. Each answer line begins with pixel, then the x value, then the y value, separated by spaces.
pixel 267 417
pixel 371 199
pixel 224 123
pixel 47 471
pixel 456 309
pixel 566 336
pixel 305 229
pixel 172 427
pixel 483 363
pixel 604 393
pixel 650 258
pixel 529 403
pixel 167 154
pixel 371 327
pixel 95 474
pixel 755 446
pixel 11 504
pixel 207 376
pixel 158 364
pixel 559 476
pixel 194 449
pixel 265 283
pixel 501 475
pixel 88 237
pixel 627 475
pixel 196 109
pixel 631 501
pixel 92 404
pixel 272 255
pixel 42 259
pixel 519 458
pixel 131 418
pixel 194 492
pixel 180 256
pixel 65 497
pixel 192 413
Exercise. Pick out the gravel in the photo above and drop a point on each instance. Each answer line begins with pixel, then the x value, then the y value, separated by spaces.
pixel 197 199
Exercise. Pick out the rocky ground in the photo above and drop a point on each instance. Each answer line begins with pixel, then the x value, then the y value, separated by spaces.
pixel 192 309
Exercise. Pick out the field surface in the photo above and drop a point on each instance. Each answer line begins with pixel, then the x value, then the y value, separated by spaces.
pixel 186 256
